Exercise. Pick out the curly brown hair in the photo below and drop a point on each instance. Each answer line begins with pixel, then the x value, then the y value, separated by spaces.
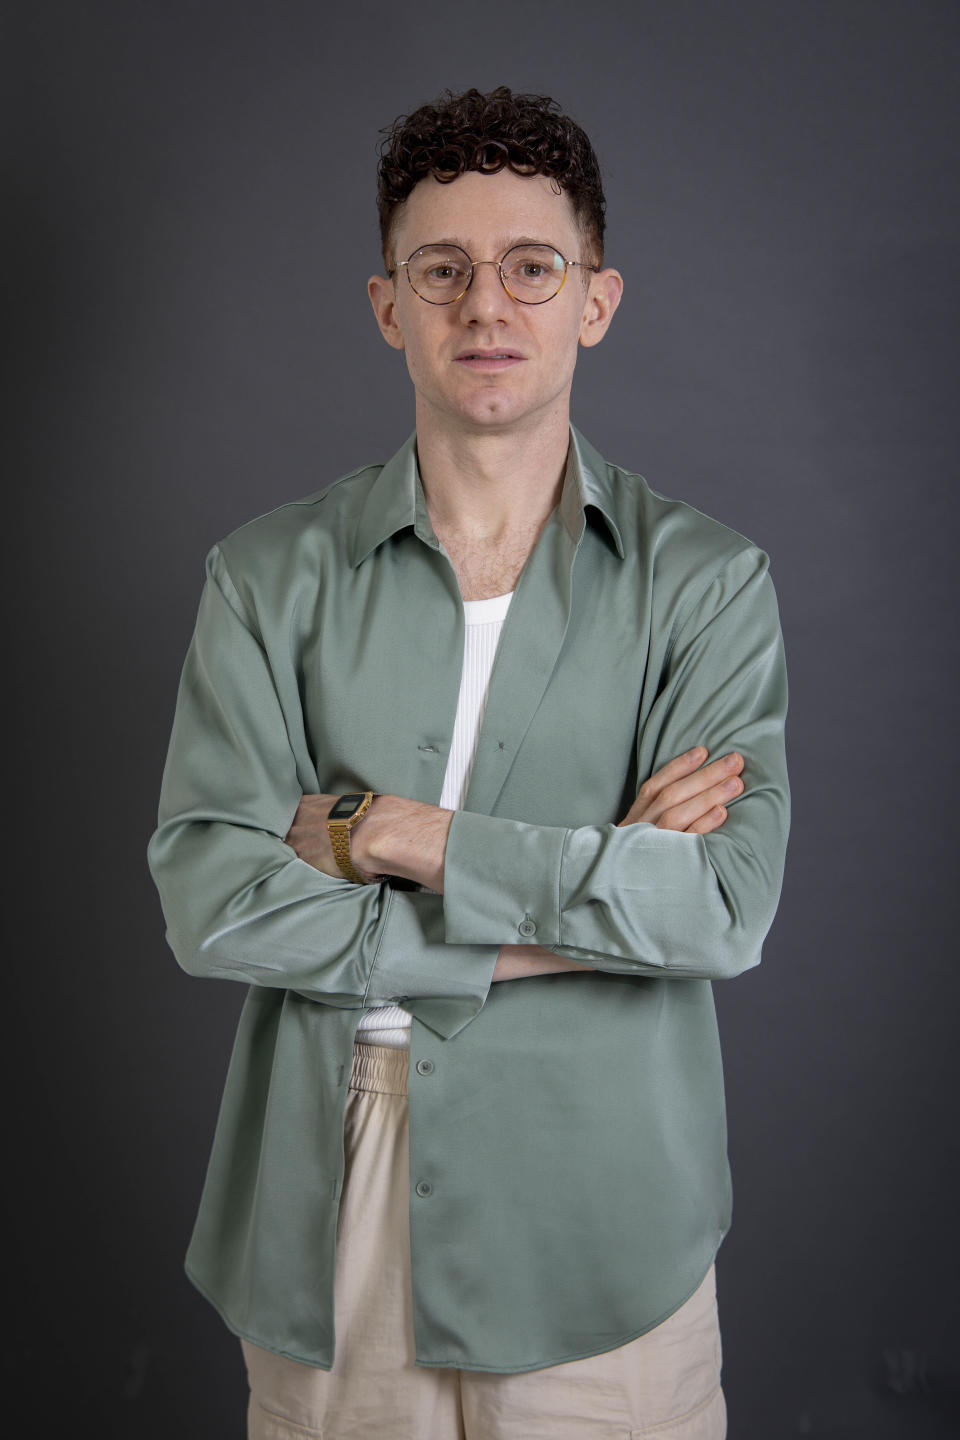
pixel 528 134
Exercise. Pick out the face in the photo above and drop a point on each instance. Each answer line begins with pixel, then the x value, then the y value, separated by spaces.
pixel 486 362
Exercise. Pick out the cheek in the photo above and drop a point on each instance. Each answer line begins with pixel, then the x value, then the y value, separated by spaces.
pixel 412 370
pixel 423 374
pixel 564 345
pixel 418 343
pixel 415 357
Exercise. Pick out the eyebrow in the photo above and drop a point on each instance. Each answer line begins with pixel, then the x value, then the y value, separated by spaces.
pixel 505 243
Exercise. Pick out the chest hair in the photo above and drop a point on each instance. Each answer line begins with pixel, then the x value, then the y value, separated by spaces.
pixel 483 569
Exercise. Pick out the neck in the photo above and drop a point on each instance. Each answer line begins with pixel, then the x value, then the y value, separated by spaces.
pixel 488 486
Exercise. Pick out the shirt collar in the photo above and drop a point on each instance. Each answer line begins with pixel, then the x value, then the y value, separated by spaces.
pixel 396 500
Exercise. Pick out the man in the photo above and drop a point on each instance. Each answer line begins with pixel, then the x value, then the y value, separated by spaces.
pixel 470 1172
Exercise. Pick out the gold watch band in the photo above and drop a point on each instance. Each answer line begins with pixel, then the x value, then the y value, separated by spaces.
pixel 339 832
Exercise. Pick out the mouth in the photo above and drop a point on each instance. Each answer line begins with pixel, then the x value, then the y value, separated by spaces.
pixel 489 359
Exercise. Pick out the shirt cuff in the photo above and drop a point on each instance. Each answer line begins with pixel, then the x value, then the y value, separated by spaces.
pixel 416 967
pixel 501 881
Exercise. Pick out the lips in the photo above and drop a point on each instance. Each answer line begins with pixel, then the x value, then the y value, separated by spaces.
pixel 490 355
pixel 489 360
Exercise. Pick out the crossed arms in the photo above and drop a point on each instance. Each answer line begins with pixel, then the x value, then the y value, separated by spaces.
pixel 676 889
pixel 409 839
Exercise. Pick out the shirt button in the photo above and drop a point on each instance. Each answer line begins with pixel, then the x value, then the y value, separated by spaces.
pixel 527 926
pixel 424 1067
pixel 424 1187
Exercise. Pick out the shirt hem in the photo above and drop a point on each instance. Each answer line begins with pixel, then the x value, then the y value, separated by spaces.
pixel 577 1355
pixel 243 1334
pixel 315 1364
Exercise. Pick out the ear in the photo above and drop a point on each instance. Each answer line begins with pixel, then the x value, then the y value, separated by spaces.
pixel 383 298
pixel 603 297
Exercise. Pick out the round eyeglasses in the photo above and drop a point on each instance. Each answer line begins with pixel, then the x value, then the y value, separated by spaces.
pixel 531 274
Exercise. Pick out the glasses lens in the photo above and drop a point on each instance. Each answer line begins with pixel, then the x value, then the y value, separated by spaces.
pixel 439 273
pixel 533 273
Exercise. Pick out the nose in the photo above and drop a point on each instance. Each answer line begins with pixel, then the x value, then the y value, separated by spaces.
pixel 486 300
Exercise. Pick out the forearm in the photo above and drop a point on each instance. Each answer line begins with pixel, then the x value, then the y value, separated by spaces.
pixel 405 838
pixel 640 899
pixel 520 962
pixel 636 900
pixel 411 839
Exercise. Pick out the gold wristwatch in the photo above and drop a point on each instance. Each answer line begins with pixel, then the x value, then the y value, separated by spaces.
pixel 344 813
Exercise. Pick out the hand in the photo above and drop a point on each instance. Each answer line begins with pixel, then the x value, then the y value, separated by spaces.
pixel 683 796
pixel 308 835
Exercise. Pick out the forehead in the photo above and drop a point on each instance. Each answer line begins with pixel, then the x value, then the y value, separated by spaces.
pixel 485 213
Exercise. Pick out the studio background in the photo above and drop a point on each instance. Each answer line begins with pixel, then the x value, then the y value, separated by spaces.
pixel 189 226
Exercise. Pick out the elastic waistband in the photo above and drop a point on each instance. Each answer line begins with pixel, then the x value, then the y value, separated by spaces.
pixel 381 1068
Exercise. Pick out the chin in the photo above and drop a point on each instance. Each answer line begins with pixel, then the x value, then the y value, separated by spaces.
pixel 494 419
pixel 494 408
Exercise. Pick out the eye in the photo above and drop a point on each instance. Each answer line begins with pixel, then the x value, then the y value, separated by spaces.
pixel 535 268
pixel 439 268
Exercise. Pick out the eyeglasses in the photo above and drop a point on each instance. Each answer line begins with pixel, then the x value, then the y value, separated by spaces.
pixel 532 274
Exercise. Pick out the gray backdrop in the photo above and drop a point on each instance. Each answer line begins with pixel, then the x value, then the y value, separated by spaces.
pixel 189 224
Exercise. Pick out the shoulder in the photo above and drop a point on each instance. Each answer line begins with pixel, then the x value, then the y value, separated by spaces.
pixel 654 528
pixel 298 540
pixel 329 510
pixel 667 530
pixel 682 559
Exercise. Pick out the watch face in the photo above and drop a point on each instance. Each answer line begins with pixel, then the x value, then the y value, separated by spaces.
pixel 346 806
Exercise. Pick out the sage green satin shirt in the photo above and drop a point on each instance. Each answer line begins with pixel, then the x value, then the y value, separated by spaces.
pixel 571 1127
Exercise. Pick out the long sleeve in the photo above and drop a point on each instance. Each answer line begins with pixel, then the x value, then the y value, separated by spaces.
pixel 639 900
pixel 237 900
pixel 326 658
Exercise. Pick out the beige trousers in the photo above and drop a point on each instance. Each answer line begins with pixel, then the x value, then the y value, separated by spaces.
pixel 664 1384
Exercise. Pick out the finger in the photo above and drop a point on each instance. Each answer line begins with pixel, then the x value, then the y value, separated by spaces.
pixel 668 774
pixel 709 822
pixel 651 805
pixel 682 816
pixel 708 778
pixel 679 766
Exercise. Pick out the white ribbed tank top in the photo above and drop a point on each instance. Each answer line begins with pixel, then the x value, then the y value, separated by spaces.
pixel 483 621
